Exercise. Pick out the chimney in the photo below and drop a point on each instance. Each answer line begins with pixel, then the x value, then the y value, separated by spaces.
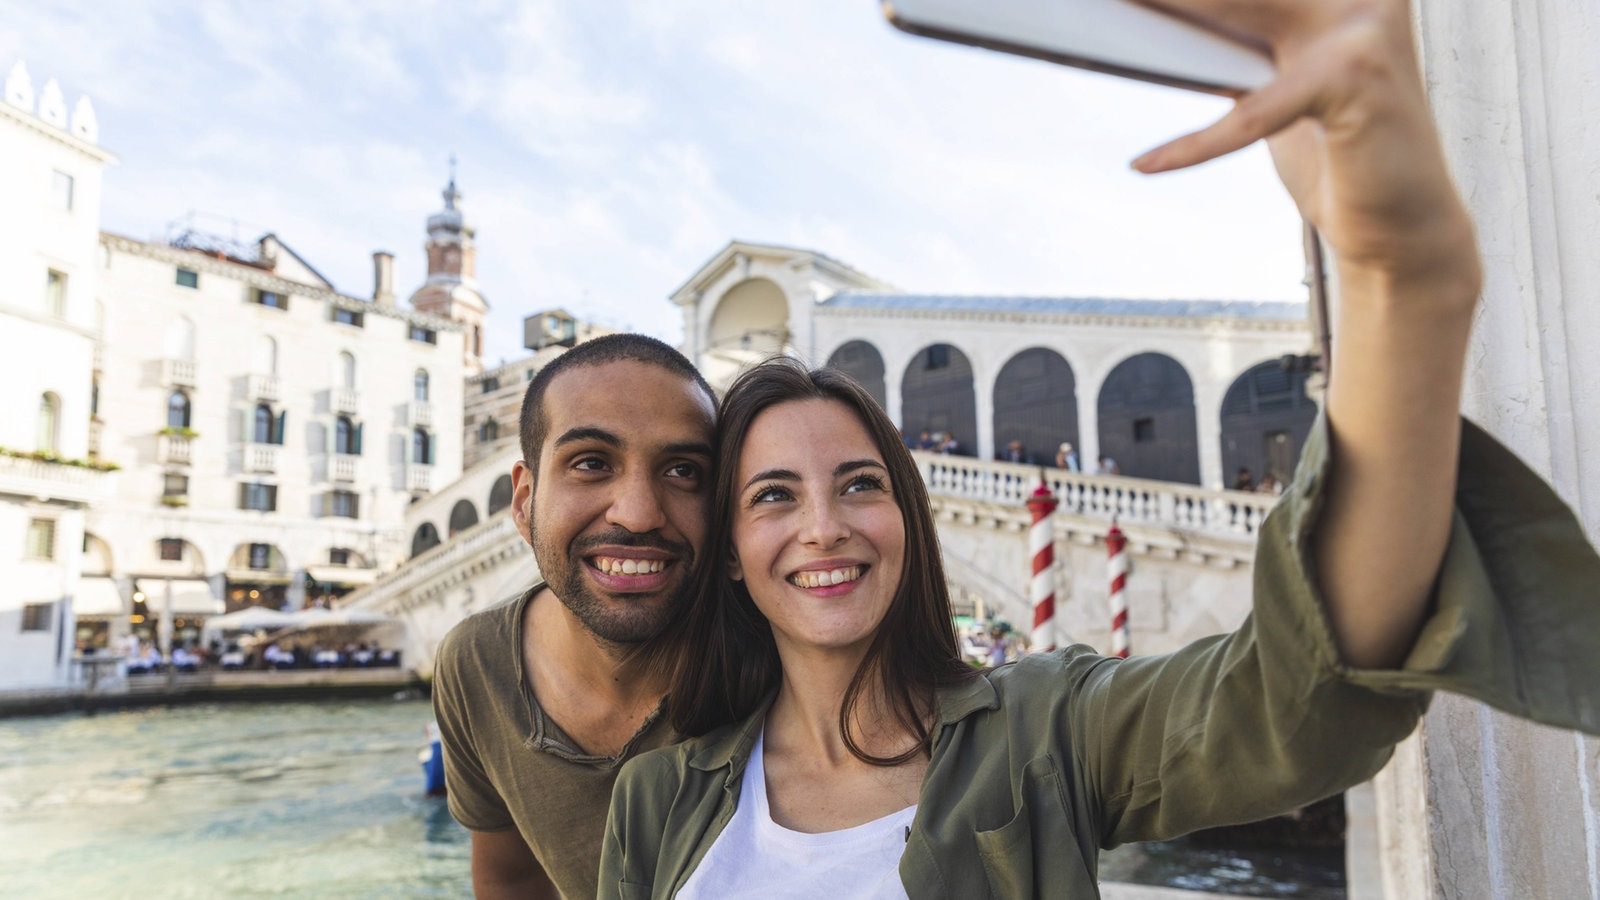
pixel 383 278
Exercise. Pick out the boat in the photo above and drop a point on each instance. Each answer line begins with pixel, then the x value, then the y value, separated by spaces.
pixel 432 758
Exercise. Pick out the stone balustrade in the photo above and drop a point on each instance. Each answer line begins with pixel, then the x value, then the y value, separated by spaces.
pixel 178 372
pixel 1180 506
pixel 262 387
pixel 342 467
pixel 53 480
pixel 261 458
pixel 438 568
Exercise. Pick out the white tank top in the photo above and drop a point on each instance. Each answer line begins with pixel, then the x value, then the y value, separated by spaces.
pixel 756 857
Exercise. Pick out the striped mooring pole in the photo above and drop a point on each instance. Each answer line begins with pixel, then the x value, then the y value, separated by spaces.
pixel 1042 550
pixel 1117 546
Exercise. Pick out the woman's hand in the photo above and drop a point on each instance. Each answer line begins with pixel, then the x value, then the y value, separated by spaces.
pixel 1354 142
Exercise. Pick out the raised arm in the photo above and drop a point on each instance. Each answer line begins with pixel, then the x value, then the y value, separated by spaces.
pixel 1354 142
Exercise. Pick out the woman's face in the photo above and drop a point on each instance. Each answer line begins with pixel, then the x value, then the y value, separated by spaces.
pixel 817 536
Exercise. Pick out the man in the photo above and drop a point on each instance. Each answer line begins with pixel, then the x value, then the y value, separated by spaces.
pixel 536 703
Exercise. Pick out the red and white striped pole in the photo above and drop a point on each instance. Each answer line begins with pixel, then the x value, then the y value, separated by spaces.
pixel 1042 550
pixel 1117 545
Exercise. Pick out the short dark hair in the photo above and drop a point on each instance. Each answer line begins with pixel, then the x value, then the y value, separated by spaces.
pixel 735 662
pixel 610 348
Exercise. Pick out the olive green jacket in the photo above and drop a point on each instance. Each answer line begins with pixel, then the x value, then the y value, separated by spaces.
pixel 1037 765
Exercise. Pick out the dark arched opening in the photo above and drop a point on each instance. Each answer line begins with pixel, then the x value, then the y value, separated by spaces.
pixel 1147 421
pixel 862 361
pixel 1035 403
pixel 936 396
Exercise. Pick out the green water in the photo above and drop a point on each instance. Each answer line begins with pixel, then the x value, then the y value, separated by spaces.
pixel 242 800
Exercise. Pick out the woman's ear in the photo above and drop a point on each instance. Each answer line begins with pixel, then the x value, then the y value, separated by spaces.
pixel 735 571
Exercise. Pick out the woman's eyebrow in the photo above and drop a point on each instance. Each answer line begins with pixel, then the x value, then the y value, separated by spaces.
pixel 854 464
pixel 772 475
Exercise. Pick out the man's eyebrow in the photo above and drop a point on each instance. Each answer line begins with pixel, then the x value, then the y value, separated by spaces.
pixel 588 433
pixel 688 448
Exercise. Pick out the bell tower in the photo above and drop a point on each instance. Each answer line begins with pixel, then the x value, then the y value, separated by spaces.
pixel 451 290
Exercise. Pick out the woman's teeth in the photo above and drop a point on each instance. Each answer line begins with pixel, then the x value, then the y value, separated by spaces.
pixel 825 577
pixel 612 565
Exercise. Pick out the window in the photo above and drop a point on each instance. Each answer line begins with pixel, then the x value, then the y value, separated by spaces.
pixel 421 447
pixel 267 429
pixel 491 384
pixel 61 189
pixel 36 616
pixel 477 340
pixel 55 293
pixel 270 298
pixel 338 556
pixel 188 278
pixel 178 410
pixel 1144 430
pixel 263 497
pixel 41 539
pixel 346 436
pixel 419 385
pixel 344 503
pixel 174 485
pixel 938 357
pixel 425 335
pixel 348 317
pixel 488 431
pixel 49 424
pixel 260 556
pixel 171 549
pixel 346 372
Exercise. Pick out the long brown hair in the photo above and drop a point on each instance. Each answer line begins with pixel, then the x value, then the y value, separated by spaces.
pixel 727 661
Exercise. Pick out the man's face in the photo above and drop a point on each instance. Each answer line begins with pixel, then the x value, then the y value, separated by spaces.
pixel 619 508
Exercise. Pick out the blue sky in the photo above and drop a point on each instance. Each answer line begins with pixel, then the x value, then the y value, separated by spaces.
pixel 606 150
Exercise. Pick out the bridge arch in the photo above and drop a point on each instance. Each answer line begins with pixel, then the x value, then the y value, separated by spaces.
pixel 462 516
pixel 862 361
pixel 1265 419
pixel 1036 402
pixel 751 318
pixel 500 494
pixel 1147 420
pixel 425 538
pixel 937 395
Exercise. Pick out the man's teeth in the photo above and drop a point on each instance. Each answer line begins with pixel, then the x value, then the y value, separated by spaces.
pixel 615 565
pixel 825 577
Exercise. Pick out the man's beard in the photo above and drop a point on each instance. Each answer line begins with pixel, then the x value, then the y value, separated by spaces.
pixel 632 621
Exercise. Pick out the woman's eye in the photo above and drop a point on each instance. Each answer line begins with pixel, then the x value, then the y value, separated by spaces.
pixel 864 483
pixel 771 494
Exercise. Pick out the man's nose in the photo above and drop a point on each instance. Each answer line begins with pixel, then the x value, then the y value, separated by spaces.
pixel 636 504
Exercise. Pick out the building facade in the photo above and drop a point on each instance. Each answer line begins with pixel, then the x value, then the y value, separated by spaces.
pixel 1187 391
pixel 272 430
pixel 48 320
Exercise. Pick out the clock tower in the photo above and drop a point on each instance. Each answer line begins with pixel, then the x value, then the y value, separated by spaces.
pixel 451 291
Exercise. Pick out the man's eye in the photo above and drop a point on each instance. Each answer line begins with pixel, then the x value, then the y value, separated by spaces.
pixel 683 470
pixel 589 464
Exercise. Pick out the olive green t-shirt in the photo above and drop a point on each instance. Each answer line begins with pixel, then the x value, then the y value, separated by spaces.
pixel 509 765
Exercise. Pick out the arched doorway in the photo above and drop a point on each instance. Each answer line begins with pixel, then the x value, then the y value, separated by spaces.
pixel 752 318
pixel 862 361
pixel 500 494
pixel 1147 421
pixel 936 396
pixel 1036 402
pixel 1266 416
pixel 462 516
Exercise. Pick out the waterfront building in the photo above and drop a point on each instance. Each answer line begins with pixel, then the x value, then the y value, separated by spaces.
pixel 272 430
pixel 48 319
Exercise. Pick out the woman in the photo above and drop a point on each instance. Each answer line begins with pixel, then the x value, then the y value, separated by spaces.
pixel 844 748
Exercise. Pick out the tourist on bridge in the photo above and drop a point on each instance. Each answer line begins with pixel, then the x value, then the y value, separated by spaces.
pixel 841 746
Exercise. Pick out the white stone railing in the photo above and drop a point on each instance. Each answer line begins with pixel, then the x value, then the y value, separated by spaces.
pixel 344 400
pixel 52 481
pixel 421 413
pixel 342 467
pixel 419 478
pixel 1181 506
pixel 261 457
pixel 178 372
pixel 444 565
pixel 176 449
pixel 262 387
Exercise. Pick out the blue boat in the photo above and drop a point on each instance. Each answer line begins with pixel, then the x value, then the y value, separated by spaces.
pixel 432 758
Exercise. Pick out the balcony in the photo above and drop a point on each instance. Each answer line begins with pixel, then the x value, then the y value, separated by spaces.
pixel 344 401
pixel 261 457
pixel 175 449
pixel 72 482
pixel 421 413
pixel 262 387
pixel 177 372
pixel 342 467
pixel 419 478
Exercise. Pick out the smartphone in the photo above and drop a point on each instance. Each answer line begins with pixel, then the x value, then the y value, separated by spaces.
pixel 1117 37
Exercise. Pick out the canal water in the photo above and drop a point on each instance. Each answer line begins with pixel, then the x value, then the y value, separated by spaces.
pixel 325 800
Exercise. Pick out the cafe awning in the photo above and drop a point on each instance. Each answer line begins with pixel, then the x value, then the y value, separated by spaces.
pixel 341 575
pixel 190 596
pixel 258 576
pixel 98 597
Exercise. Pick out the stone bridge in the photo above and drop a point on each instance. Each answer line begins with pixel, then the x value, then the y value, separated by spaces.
pixel 1189 548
